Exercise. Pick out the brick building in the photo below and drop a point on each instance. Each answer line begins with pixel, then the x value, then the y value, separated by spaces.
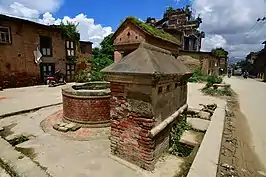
pixel 258 63
pixel 132 32
pixel 20 38
pixel 209 63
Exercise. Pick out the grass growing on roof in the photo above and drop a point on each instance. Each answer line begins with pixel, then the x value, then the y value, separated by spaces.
pixel 154 31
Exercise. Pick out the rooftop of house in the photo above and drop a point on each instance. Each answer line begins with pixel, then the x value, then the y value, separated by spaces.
pixel 152 31
pixel 150 60
pixel 16 19
pixel 85 42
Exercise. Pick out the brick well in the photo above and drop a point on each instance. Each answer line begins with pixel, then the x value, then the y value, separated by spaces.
pixel 86 105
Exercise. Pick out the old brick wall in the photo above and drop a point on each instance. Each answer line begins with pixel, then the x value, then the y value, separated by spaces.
pixel 87 110
pixel 135 110
pixel 17 59
pixel 129 128
pixel 207 60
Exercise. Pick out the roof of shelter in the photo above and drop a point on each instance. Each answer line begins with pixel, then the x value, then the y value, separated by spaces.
pixel 148 59
pixel 150 30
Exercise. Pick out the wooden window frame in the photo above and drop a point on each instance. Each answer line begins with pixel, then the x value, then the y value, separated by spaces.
pixel 71 75
pixel 70 48
pixel 9 41
pixel 46 48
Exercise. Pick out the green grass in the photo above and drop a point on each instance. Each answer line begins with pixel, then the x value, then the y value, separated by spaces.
pixel 216 92
pixel 154 31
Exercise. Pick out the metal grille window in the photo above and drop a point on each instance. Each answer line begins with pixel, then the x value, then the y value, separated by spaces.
pixel 5 36
pixel 70 48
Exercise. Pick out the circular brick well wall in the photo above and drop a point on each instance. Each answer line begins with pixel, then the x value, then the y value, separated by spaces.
pixel 87 104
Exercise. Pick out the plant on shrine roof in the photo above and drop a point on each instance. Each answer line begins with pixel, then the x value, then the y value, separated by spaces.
pixel 154 31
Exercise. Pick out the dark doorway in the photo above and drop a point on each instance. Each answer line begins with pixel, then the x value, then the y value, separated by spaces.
pixel 46 70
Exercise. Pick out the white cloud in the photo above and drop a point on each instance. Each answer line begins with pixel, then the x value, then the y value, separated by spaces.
pixel 32 10
pixel 230 23
pixel 213 41
pixel 86 26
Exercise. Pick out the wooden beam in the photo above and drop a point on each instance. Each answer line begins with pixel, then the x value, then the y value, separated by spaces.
pixel 167 121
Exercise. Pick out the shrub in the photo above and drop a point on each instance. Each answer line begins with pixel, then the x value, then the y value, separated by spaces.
pixel 82 76
pixel 176 132
pixel 212 79
pixel 198 76
pixel 97 65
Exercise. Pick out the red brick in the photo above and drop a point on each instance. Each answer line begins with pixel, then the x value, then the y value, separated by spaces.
pixel 92 110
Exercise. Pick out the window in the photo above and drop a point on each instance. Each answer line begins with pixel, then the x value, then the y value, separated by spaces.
pixel 70 71
pixel 176 85
pixel 46 46
pixel 70 49
pixel 5 36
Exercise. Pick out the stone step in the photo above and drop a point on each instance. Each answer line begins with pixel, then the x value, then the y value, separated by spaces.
pixel 191 137
pixel 198 124
pixel 3 173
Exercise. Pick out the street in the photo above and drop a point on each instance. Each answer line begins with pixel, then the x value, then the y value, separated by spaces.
pixel 252 97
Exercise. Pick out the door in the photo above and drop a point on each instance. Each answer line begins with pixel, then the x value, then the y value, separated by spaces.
pixel 47 69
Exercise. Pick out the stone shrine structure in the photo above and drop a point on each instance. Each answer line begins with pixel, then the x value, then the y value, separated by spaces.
pixel 148 92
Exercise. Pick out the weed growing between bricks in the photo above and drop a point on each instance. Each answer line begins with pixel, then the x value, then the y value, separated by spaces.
pixel 18 140
pixel 185 167
pixel 177 148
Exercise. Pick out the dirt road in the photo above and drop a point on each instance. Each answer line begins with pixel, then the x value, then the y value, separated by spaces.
pixel 252 98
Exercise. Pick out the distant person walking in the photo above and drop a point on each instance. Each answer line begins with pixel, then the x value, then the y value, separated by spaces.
pixel 245 74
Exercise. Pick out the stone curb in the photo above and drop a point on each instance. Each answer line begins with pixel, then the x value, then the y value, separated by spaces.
pixel 207 159
pixel 27 110
pixel 17 164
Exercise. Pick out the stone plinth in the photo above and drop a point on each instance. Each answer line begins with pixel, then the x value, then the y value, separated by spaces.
pixel 147 87
pixel 87 104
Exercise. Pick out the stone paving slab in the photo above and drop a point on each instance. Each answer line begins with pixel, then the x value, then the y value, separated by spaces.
pixel 198 124
pixel 191 137
pixel 17 163
pixel 3 173
pixel 19 100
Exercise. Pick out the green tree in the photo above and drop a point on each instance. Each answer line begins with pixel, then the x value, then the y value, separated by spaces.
pixel 69 30
pixel 219 52
pixel 106 49
pixel 102 57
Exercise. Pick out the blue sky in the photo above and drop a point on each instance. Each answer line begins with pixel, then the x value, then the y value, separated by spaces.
pixel 111 12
